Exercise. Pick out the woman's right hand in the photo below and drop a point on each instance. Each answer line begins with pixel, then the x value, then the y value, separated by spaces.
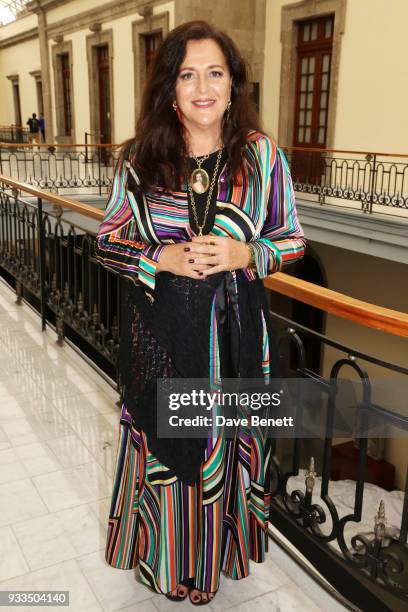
pixel 175 259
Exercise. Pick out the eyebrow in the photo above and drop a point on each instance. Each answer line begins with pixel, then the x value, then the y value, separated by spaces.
pixel 192 67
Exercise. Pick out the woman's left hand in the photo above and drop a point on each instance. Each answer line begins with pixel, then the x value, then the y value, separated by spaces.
pixel 223 254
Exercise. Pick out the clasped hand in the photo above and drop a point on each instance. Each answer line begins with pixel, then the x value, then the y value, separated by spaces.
pixel 206 255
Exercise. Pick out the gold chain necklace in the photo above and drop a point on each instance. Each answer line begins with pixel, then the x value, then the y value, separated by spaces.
pixel 214 176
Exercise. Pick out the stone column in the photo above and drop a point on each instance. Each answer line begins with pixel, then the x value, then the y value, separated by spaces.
pixel 45 74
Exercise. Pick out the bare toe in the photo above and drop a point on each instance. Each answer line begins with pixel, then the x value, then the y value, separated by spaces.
pixel 195 595
pixel 182 590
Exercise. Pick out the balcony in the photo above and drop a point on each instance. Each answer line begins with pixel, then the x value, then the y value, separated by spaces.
pixel 352 540
pixel 351 200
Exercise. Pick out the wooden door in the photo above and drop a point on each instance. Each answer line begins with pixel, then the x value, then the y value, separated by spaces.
pixel 104 93
pixel 66 93
pixel 18 136
pixel 152 42
pixel 104 99
pixel 315 39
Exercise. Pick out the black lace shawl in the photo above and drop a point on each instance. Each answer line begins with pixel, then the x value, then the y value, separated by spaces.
pixel 170 337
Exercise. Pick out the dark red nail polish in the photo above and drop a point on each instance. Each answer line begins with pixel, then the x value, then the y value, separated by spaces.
pixel 186 248
pixel 201 273
pixel 191 261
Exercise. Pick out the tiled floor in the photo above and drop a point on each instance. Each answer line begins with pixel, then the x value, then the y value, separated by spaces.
pixel 58 435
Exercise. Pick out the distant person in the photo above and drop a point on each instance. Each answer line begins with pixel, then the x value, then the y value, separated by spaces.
pixel 41 121
pixel 34 125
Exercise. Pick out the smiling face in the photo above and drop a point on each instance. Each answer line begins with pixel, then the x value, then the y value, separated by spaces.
pixel 203 85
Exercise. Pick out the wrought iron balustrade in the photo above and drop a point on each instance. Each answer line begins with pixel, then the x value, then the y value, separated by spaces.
pixel 368 565
pixel 50 264
pixel 13 134
pixel 372 182
pixel 87 168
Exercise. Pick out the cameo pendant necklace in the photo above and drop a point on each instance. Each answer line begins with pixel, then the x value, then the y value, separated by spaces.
pixel 190 189
pixel 199 180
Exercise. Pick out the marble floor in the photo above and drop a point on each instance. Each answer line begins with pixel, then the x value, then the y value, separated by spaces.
pixel 58 435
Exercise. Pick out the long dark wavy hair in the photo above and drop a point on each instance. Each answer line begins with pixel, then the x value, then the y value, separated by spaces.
pixel 158 148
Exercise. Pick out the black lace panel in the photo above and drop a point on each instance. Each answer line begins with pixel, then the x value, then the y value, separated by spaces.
pixel 170 337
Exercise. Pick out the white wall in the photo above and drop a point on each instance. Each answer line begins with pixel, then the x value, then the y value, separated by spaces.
pixel 272 65
pixel 72 7
pixel 19 59
pixel 170 8
pixel 123 76
pixel 381 282
pixel 373 77
pixel 373 86
pixel 22 24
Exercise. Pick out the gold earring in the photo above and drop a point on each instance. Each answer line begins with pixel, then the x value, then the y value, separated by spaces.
pixel 175 105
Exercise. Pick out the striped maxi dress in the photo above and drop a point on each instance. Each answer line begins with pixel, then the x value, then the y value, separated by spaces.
pixel 169 529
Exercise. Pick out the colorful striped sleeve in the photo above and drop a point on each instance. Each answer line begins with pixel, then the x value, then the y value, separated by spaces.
pixel 282 240
pixel 118 245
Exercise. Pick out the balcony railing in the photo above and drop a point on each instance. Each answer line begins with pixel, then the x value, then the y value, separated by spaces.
pixel 50 263
pixel 84 168
pixel 366 181
pixel 13 134
pixel 369 181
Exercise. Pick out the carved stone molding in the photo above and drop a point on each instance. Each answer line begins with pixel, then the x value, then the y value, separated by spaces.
pixel 145 11
pixel 105 13
pixel 37 6
pixel 36 74
pixel 19 38
pixel 95 27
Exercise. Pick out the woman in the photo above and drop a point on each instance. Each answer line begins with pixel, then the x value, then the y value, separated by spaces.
pixel 183 510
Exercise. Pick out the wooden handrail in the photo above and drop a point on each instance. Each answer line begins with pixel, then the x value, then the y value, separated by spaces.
pixel 344 306
pixel 22 145
pixel 13 125
pixel 71 204
pixel 333 302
